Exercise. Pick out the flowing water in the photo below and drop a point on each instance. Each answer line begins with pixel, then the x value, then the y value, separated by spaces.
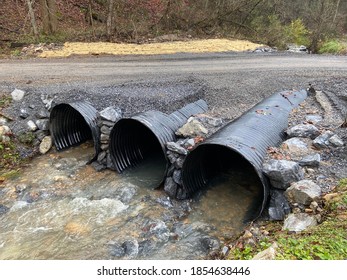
pixel 61 208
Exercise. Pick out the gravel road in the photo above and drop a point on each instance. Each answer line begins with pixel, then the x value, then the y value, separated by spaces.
pixel 230 82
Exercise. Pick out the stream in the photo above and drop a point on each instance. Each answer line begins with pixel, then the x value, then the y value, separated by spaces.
pixel 61 208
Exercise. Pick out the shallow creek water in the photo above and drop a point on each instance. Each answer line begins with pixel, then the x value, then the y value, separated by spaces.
pixel 61 208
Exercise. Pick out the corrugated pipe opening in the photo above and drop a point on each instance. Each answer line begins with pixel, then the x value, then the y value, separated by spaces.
pixel 143 137
pixel 241 146
pixel 71 124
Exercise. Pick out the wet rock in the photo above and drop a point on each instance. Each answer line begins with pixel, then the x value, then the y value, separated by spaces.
pixel 295 146
pixel 146 247
pixel 314 119
pixel 322 141
pixel 192 129
pixel 303 130
pixel 310 160
pixel 126 193
pixel 267 254
pixel 3 209
pixel 116 250
pixel 282 173
pixel 109 162
pixel 42 124
pixel 97 166
pixel 111 114
pixel 209 243
pixel 131 248
pixel 165 201
pixel 104 147
pixel 278 205
pixel 45 145
pixel 174 147
pixel 303 192
pixel 336 141
pixel 170 187
pixel 31 126
pixel 299 222
pixel 17 94
pixel 101 156
pixel 181 194
pixel 21 188
pixel 160 230
pixel 24 113
pixel 177 177
pixel 104 138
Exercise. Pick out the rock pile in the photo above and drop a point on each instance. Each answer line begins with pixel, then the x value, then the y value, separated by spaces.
pixel 108 117
pixel 291 169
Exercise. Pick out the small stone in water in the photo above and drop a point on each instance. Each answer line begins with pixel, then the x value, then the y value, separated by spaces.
pixel 45 145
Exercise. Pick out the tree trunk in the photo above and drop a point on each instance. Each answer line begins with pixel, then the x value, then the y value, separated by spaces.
pixel 49 16
pixel 109 22
pixel 32 19
pixel 337 10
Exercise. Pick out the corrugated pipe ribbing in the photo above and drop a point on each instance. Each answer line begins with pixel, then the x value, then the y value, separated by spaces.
pixel 144 135
pixel 74 123
pixel 243 142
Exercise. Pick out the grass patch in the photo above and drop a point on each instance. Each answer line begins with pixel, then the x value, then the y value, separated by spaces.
pixel 327 241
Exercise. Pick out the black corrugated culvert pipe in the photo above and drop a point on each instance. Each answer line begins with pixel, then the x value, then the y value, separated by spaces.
pixel 143 136
pixel 242 145
pixel 73 123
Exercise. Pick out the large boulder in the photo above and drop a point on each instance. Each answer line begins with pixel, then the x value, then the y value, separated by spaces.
pixel 279 207
pixel 303 192
pixel 311 160
pixel 283 172
pixel 322 141
pixel 296 147
pixel 303 130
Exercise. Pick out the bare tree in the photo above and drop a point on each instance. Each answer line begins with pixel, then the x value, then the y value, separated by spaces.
pixel 109 22
pixel 32 18
pixel 49 16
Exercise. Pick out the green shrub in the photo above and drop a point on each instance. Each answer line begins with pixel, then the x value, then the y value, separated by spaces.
pixel 332 46
pixel 297 33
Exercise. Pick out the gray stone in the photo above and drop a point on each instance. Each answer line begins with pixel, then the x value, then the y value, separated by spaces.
pixel 181 194
pixel 313 119
pixel 170 187
pixel 192 129
pixel 101 156
pixel 23 113
pixel 48 100
pixel 299 222
pixel 3 209
pixel 45 145
pixel 107 123
pixel 177 177
pixel 131 248
pixel 172 146
pixel 104 147
pixel 303 192
pixel 295 147
pixel 42 124
pixel 322 141
pixel 126 193
pixel 282 173
pixel 310 160
pixel 41 134
pixel 31 126
pixel 116 250
pixel 336 141
pixel 189 143
pixel 97 166
pixel 172 157
pixel 21 188
pixel 278 205
pixel 17 94
pixel 105 130
pixel 42 114
pixel 160 230
pixel 109 162
pixel 104 138
pixel 303 130
pixel 111 113
pixel 267 254
pixel 216 122
pixel 179 162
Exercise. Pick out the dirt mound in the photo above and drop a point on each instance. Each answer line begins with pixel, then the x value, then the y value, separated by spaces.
pixel 196 46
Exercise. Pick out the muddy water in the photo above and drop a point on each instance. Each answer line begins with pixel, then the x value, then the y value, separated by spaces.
pixel 60 208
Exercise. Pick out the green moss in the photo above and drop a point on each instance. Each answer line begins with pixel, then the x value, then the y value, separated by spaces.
pixel 26 138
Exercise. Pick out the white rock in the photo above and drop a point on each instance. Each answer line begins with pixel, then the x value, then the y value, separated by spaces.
pixel 17 94
pixel 31 125
pixel 336 141
pixel 295 147
pixel 267 254
pixel 4 129
pixel 303 130
pixel 299 222
pixel 45 145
